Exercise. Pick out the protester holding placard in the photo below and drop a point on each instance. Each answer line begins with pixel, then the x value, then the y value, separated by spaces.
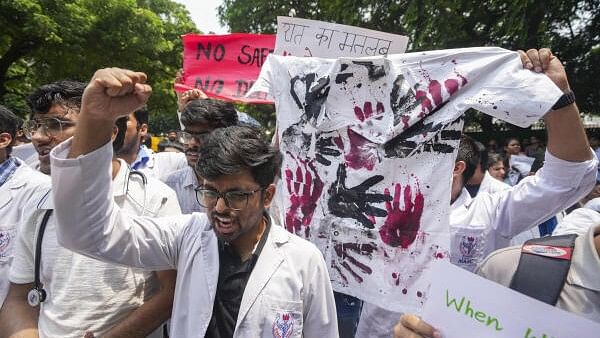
pixel 580 293
pixel 567 175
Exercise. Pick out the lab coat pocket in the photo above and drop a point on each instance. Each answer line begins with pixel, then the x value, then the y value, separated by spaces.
pixel 467 245
pixel 283 318
pixel 8 236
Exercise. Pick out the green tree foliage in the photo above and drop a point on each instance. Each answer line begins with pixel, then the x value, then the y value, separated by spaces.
pixel 570 27
pixel 45 40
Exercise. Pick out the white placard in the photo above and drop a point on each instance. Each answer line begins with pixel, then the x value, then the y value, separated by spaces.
pixel 302 37
pixel 522 163
pixel 462 304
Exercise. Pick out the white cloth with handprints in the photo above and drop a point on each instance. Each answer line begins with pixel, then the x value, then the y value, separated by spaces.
pixel 369 146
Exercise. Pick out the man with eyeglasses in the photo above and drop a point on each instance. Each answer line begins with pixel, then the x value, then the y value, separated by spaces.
pixel 83 296
pixel 239 275
pixel 18 183
pixel 199 117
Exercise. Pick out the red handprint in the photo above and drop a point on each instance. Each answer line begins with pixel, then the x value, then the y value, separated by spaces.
pixel 363 153
pixel 345 259
pixel 305 190
pixel 367 111
pixel 402 224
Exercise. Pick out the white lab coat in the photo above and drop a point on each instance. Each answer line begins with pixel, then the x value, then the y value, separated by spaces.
pixel 492 219
pixel 289 282
pixel 490 185
pixel 14 194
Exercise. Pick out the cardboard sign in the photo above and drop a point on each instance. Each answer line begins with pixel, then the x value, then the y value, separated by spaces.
pixel 225 66
pixel 302 37
pixel 462 304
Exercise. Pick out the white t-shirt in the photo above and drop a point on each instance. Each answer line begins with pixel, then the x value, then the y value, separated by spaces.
pixel 84 294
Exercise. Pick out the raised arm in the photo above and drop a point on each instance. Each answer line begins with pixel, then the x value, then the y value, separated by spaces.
pixel 110 94
pixel 569 171
pixel 566 135
pixel 89 221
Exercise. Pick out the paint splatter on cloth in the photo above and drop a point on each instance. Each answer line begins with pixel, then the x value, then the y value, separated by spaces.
pixel 369 146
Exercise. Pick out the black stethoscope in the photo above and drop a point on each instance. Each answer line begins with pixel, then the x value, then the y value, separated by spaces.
pixel 38 295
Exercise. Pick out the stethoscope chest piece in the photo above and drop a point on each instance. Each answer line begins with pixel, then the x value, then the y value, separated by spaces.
pixel 36 296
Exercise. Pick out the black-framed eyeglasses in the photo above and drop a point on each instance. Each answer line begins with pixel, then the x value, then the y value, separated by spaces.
pixel 235 199
pixel 50 127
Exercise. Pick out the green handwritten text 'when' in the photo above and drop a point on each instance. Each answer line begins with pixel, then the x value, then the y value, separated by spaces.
pixel 468 310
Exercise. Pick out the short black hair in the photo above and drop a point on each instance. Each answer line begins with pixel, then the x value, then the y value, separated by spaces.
pixel 142 115
pixel 214 113
pixel 468 152
pixel 9 123
pixel 65 92
pixel 512 138
pixel 229 150
pixel 483 154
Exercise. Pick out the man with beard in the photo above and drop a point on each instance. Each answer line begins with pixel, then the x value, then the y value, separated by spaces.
pixel 238 274
pixel 143 159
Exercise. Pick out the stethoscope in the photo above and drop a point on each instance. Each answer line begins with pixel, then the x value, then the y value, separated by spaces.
pixel 38 294
pixel 144 179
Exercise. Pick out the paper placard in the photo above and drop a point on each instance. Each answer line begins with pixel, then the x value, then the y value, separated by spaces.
pixel 302 37
pixel 522 163
pixel 462 304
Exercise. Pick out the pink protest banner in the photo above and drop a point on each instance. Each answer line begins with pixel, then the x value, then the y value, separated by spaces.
pixel 225 66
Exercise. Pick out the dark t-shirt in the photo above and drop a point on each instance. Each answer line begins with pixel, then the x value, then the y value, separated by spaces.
pixel 233 277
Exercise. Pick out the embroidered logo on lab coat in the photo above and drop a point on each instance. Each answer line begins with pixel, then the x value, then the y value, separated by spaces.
pixel 283 325
pixel 468 247
pixel 5 246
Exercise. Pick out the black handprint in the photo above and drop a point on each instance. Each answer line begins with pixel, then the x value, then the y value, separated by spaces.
pixel 355 202
pixel 325 147
pixel 402 103
pixel 315 94
pixel 401 147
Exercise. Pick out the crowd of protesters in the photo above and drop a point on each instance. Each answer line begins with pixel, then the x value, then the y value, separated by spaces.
pixel 100 236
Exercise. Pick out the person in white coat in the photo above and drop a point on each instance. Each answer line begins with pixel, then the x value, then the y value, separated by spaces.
pixel 82 294
pixel 237 274
pixel 487 222
pixel 18 183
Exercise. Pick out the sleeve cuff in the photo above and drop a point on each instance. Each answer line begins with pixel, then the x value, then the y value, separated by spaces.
pixel 59 155
pixel 21 277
